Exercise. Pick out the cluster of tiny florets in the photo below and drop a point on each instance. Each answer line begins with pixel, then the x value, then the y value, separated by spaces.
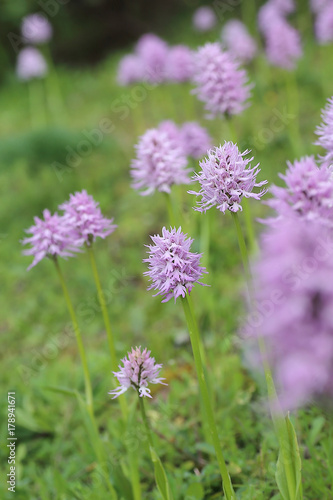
pixel 191 137
pixel 159 163
pixel 238 40
pixel 220 83
pixel 225 178
pixel 308 193
pixel 173 268
pixel 282 41
pixel 61 235
pixel 294 301
pixel 83 213
pixel 155 62
pixel 139 369
pixel 325 134
pixel 52 236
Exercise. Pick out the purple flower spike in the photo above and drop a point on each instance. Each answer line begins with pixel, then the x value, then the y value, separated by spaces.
pixel 238 41
pixel 284 6
pixel 152 52
pixel 220 83
pixel 30 64
pixel 195 140
pixel 325 133
pixel 173 269
pixel 225 179
pixel 84 215
pixel 283 44
pixel 294 309
pixel 179 64
pixel 130 70
pixel 36 29
pixel 317 5
pixel 172 130
pixel 138 371
pixel 204 19
pixel 159 163
pixel 50 237
pixel 308 193
pixel 324 24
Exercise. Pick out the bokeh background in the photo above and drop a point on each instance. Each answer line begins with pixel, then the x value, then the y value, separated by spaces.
pixel 44 157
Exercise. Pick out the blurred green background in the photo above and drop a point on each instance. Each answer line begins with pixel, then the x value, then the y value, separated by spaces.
pixel 42 161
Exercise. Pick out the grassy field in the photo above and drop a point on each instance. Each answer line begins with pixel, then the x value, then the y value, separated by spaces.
pixel 55 459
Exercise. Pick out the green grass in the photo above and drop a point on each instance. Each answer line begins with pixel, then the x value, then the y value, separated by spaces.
pixel 54 457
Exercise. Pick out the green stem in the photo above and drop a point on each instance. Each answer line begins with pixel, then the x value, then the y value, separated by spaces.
pixel 171 213
pixel 249 14
pixel 206 221
pixel 145 422
pixel 122 401
pixel 54 95
pixel 242 248
pixel 249 225
pixel 88 389
pixel 278 420
pixel 96 440
pixel 227 485
pixel 293 108
pixel 36 103
pixel 101 299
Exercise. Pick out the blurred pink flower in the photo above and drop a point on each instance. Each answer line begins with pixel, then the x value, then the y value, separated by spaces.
pixel 204 19
pixel 36 29
pixel 30 64
pixel 238 40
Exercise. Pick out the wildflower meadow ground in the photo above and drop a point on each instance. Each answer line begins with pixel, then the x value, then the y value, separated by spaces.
pixel 166 256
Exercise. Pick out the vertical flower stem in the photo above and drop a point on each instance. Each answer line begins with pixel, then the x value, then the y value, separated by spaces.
pixel 279 422
pixel 95 437
pixel 122 401
pixel 227 485
pixel 242 248
pixel 101 300
pixel 171 212
pixel 145 422
pixel 36 103
pixel 205 230
pixel 87 382
pixel 293 108
pixel 107 323
pixel 54 95
pixel 249 13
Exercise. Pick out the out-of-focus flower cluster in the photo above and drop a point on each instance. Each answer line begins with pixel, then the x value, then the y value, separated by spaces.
pixel 220 83
pixel 191 137
pixel 238 41
pixel 36 30
pixel 323 11
pixel 160 162
pixel 282 41
pixel 204 19
pixel 294 299
pixel 154 61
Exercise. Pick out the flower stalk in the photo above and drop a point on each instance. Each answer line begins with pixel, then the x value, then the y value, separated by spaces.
pixel 195 343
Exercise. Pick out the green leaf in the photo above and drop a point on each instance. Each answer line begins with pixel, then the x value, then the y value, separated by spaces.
pixel 160 476
pixel 289 465
pixel 61 390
